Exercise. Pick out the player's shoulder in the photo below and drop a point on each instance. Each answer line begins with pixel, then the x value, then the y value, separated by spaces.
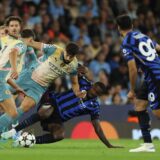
pixel 30 49
pixel 127 38
pixel 95 104
pixel 75 62
pixel 4 38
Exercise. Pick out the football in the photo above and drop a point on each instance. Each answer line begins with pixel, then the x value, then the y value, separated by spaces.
pixel 26 140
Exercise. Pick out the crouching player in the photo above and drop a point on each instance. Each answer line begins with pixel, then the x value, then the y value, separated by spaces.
pixel 55 109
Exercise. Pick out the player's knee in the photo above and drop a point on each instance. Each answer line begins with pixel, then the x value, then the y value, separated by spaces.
pixel 59 136
pixel 157 113
pixel 140 105
pixel 45 112
pixel 25 108
pixel 13 114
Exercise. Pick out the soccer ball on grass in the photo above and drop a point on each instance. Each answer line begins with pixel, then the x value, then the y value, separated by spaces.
pixel 26 140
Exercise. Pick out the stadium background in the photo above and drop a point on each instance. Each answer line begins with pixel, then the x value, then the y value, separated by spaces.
pixel 91 23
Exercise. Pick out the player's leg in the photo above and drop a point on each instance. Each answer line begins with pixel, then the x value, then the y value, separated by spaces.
pixel 141 104
pixel 27 103
pixel 10 110
pixel 9 107
pixel 42 114
pixel 34 93
pixel 54 125
pixel 156 113
pixel 56 134
pixel 144 119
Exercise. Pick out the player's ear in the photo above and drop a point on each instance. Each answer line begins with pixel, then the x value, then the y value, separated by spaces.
pixel 30 39
pixel 132 26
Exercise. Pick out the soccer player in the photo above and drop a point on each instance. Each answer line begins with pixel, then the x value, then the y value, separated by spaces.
pixel 12 49
pixel 35 81
pixel 140 52
pixel 55 109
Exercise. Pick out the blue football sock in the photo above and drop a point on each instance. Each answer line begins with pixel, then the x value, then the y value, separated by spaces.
pixel 6 120
pixel 144 122
pixel 20 112
pixel 27 122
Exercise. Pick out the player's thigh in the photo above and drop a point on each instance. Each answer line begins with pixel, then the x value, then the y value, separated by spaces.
pixel 9 107
pixel 140 105
pixel 141 101
pixel 56 129
pixel 156 113
pixel 45 111
pixel 27 103
pixel 154 100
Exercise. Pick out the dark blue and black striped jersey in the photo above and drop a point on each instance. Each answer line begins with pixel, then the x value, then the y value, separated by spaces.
pixel 70 106
pixel 141 48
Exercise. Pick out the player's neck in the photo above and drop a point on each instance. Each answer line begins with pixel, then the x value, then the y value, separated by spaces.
pixel 124 33
pixel 14 36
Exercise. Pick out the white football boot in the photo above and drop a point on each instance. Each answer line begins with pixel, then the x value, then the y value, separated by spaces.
pixel 8 134
pixel 145 147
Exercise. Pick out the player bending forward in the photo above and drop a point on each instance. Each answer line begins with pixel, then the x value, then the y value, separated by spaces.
pixel 57 62
pixel 55 109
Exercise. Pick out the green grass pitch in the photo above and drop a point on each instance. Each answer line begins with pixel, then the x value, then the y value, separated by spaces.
pixel 77 150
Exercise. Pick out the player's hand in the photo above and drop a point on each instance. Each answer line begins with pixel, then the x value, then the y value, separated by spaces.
pixel 27 41
pixel 81 94
pixel 131 95
pixel 82 70
pixel 20 91
pixel 14 74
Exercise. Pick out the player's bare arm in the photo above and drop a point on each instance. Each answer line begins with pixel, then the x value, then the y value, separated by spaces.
pixel 13 61
pixel 100 134
pixel 132 76
pixel 15 86
pixel 82 70
pixel 34 44
pixel 158 47
pixel 75 87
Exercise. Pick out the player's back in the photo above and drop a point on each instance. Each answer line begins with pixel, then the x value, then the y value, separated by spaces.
pixel 53 66
pixel 29 58
pixel 140 47
pixel 71 106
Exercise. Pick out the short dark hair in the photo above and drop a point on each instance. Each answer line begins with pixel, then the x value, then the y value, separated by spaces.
pixel 12 18
pixel 102 87
pixel 72 49
pixel 124 22
pixel 26 33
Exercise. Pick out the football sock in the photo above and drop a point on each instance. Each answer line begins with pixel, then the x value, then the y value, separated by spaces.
pixel 46 138
pixel 6 120
pixel 144 122
pixel 27 122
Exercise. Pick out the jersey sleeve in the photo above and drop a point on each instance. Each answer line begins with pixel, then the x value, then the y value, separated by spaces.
pixel 95 112
pixel 31 53
pixel 154 43
pixel 127 53
pixel 48 49
pixel 74 70
pixel 21 47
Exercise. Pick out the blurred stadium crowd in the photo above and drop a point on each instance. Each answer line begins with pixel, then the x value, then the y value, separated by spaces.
pixel 90 23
